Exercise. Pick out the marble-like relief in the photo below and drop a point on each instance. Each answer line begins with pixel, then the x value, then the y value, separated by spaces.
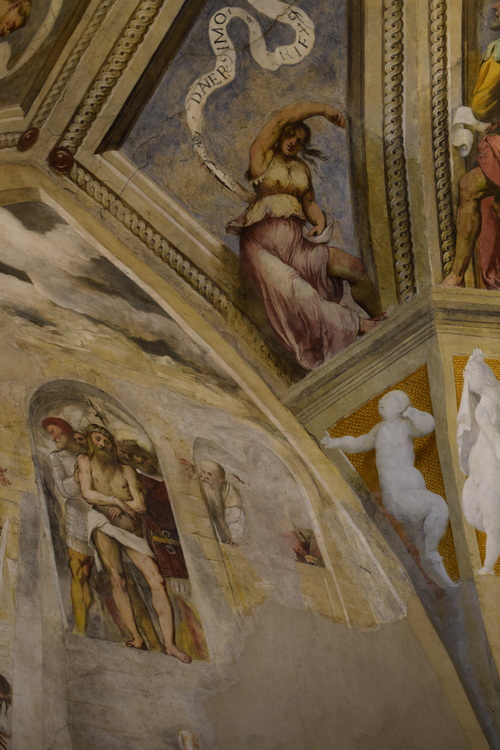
pixel 478 437
pixel 228 134
pixel 113 526
pixel 424 514
pixel 478 219
pixel 397 458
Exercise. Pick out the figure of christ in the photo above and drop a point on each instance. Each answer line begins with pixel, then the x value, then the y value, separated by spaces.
pixel 404 494
pixel 114 526
pixel 478 218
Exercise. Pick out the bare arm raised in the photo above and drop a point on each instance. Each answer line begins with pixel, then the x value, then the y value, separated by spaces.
pixel 261 150
pixel 421 421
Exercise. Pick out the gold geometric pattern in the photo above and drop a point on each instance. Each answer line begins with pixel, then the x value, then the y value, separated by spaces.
pixel 416 386
pixel 459 363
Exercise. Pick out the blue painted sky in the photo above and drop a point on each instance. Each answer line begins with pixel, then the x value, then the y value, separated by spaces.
pixel 160 143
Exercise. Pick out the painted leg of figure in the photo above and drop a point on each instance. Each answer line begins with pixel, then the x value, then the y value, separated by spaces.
pixel 80 566
pixel 109 550
pixel 141 612
pixel 345 266
pixel 161 603
pixel 474 186
pixel 492 549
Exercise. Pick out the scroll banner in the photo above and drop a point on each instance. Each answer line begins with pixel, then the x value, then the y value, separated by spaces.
pixel 224 69
pixel 461 137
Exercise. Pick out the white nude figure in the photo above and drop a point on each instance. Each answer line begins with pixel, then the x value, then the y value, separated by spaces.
pixel 478 437
pixel 404 494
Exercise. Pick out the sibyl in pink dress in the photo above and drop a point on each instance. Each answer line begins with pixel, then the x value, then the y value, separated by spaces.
pixel 313 315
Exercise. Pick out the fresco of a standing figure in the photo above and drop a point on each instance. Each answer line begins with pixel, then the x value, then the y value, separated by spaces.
pixel 318 298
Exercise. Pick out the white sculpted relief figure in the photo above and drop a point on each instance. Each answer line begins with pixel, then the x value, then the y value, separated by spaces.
pixel 404 494
pixel 478 437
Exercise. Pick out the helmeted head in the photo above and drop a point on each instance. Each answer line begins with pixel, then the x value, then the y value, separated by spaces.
pixel 60 431
pixel 393 404
pixel 81 439
pixel 294 138
pixel 5 692
pixel 131 452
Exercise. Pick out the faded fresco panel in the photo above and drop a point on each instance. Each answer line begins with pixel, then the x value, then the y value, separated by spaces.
pixel 75 427
pixel 30 47
pixel 160 142
pixel 51 276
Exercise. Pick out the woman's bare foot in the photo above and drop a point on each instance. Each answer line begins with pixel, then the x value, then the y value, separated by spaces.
pixel 366 325
pixel 172 650
pixel 452 280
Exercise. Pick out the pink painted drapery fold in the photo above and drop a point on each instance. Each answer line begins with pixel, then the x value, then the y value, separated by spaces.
pixel 313 316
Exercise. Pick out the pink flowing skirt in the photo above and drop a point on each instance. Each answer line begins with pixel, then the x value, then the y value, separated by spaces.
pixel 313 316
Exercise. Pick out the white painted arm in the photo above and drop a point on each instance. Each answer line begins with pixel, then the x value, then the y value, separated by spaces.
pixel 349 444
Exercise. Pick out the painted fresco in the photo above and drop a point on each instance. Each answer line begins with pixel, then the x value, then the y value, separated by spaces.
pixel 478 222
pixel 118 551
pixel 266 81
pixel 161 141
pixel 33 33
pixel 38 285
pixel 244 510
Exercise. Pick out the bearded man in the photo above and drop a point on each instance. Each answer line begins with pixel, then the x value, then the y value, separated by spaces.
pixel 223 503
pixel 114 526
pixel 80 555
pixel 478 218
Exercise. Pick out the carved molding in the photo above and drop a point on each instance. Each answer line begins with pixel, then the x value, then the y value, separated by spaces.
pixel 9 140
pixel 440 132
pixel 109 74
pixel 394 150
pixel 159 245
pixel 71 63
